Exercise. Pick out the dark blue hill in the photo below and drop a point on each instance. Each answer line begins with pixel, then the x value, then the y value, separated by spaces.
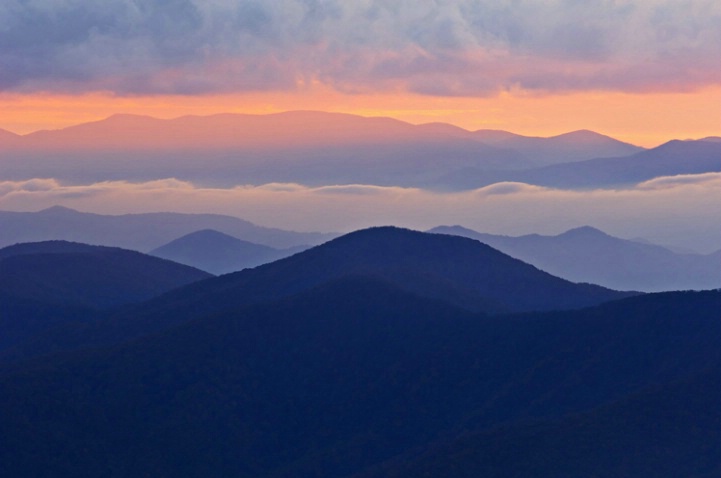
pixel 457 270
pixel 664 431
pixel 454 269
pixel 346 376
pixel 94 276
pixel 52 284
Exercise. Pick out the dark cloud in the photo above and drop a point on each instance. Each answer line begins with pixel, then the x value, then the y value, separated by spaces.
pixel 456 47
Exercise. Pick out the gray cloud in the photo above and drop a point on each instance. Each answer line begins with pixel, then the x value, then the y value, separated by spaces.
pixel 456 47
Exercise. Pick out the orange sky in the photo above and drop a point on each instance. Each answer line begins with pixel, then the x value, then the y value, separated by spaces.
pixel 644 119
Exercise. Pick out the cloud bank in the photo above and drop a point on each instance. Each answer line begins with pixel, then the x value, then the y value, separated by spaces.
pixel 455 47
pixel 680 210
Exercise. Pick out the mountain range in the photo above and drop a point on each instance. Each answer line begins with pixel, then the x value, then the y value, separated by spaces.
pixel 564 148
pixel 456 270
pixel 365 357
pixel 306 147
pixel 141 232
pixel 586 254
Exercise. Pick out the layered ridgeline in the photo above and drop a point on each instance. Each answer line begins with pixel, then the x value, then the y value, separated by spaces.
pixel 219 253
pixel 669 159
pixel 313 148
pixel 141 232
pixel 363 357
pixel 47 284
pixel 586 254
pixel 456 270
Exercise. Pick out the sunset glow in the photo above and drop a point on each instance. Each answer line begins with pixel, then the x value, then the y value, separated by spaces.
pixel 644 72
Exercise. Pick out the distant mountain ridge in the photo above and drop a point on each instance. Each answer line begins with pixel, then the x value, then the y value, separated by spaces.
pixel 141 232
pixel 308 147
pixel 568 147
pixel 219 253
pixel 586 254
pixel 669 159
pixel 296 128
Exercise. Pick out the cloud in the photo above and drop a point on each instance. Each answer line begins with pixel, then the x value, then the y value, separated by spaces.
pixel 457 47
pixel 679 210
pixel 705 180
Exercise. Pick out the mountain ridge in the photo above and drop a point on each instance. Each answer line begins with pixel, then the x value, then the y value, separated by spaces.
pixel 587 254
pixel 459 271
pixel 219 253
pixel 139 231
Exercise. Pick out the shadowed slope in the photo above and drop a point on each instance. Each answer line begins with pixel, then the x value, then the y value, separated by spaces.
pixel 93 276
pixel 53 284
pixel 337 379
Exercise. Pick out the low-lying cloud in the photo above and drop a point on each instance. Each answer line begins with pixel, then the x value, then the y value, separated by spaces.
pixel 457 47
pixel 680 210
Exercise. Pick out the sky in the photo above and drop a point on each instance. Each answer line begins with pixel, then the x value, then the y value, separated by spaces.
pixel 644 71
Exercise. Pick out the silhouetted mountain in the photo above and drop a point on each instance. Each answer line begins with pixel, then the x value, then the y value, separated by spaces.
pixel 53 284
pixel 92 276
pixel 142 232
pixel 454 269
pixel 356 374
pixel 219 253
pixel 569 147
pixel 586 254
pixel 457 270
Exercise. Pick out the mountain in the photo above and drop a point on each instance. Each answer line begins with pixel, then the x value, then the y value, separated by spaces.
pixel 308 147
pixel 52 284
pixel 586 254
pixel 298 129
pixel 457 270
pixel 229 149
pixel 8 139
pixel 219 253
pixel 142 232
pixel 669 159
pixel 357 374
pixel 78 274
pixel 569 147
